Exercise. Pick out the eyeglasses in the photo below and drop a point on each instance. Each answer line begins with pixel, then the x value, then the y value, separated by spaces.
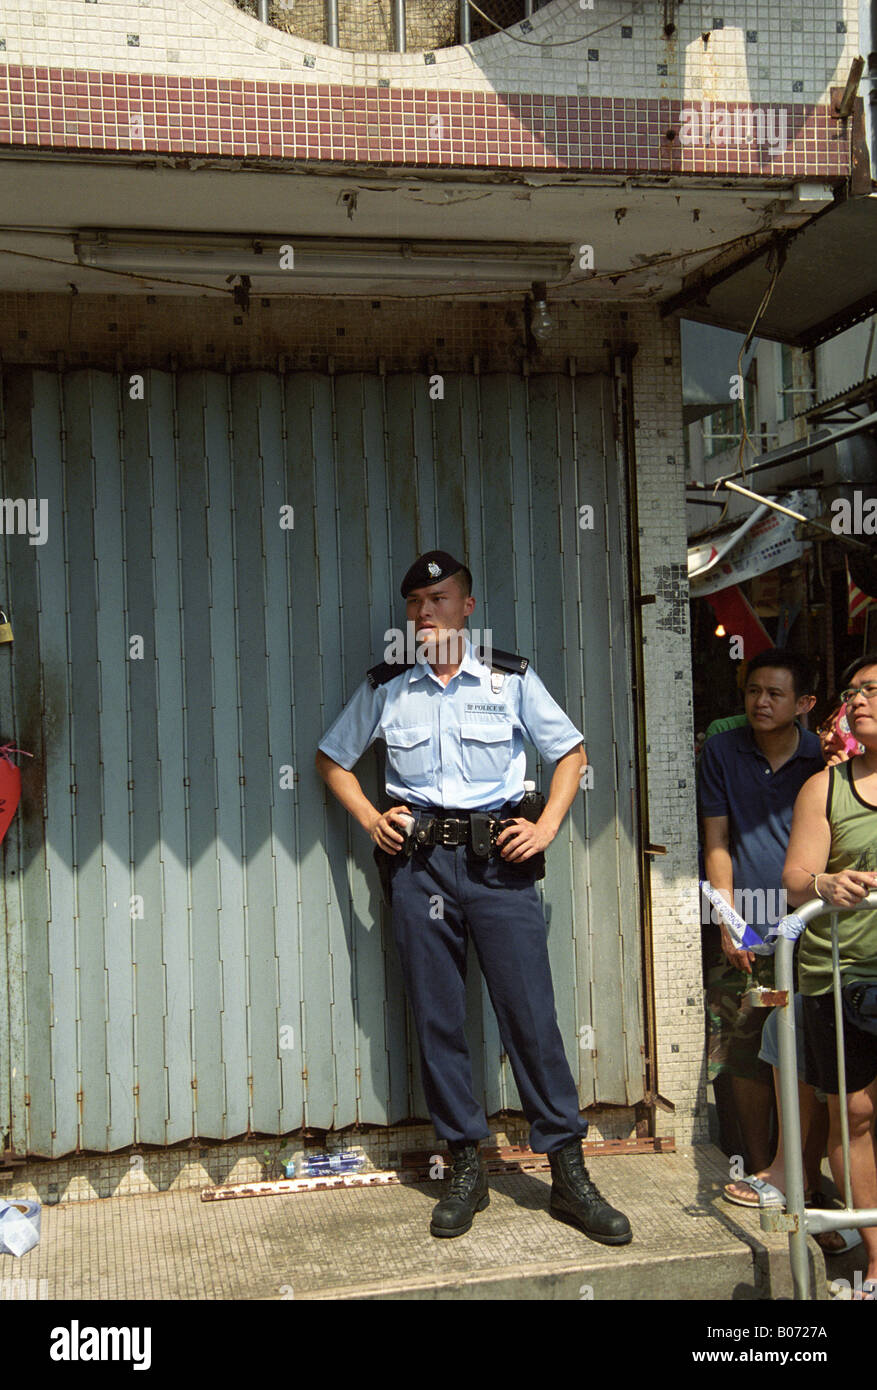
pixel 830 725
pixel 869 690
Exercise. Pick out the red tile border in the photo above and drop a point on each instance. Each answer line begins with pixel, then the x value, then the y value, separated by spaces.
pixel 143 112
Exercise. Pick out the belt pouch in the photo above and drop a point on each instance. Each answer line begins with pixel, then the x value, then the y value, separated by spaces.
pixel 530 808
pixel 479 833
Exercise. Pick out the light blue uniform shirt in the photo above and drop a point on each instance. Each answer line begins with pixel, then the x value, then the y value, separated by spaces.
pixel 459 745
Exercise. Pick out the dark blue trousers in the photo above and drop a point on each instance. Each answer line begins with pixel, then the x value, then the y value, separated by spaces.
pixel 438 896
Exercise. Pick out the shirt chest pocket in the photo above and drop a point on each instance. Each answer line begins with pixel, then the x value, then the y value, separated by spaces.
pixel 487 751
pixel 409 753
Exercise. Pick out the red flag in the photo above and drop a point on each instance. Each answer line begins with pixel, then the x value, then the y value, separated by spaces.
pixel 10 786
pixel 858 603
pixel 739 619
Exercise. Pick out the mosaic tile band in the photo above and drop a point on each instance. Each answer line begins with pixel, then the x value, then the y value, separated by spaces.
pixel 63 108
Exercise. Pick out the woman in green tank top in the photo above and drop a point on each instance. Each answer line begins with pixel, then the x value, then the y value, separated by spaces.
pixel 832 851
pixel 832 854
pixel 853 824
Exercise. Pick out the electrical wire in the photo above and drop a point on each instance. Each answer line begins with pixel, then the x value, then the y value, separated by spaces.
pixel 745 436
pixel 868 353
pixel 105 270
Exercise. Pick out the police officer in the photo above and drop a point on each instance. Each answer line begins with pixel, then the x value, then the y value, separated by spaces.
pixel 453 728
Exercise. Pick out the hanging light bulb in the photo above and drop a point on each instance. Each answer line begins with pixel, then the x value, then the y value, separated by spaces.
pixel 720 631
pixel 541 322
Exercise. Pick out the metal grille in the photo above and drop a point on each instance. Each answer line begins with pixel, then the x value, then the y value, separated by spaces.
pixel 367 25
pixel 193 942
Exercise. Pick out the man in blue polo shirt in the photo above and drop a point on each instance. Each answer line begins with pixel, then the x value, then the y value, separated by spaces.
pixel 748 779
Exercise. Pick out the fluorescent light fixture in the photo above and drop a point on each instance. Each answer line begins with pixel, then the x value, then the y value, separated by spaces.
pixel 342 258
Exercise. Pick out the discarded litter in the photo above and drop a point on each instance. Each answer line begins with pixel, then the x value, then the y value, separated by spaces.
pixel 323 1164
pixel 19 1226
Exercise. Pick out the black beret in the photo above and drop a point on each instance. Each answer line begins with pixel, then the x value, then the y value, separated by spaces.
pixel 430 568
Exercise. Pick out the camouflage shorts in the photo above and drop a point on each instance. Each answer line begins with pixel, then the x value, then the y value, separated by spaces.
pixel 734 1034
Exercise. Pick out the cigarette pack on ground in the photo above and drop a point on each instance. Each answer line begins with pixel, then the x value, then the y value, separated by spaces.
pixel 19 1226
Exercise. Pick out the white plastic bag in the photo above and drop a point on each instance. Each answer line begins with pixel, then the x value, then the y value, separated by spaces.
pixel 19 1226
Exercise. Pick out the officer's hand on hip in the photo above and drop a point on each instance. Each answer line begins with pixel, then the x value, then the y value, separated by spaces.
pixel 521 839
pixel 384 834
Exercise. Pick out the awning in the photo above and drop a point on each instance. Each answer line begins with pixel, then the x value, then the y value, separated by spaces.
pixel 827 284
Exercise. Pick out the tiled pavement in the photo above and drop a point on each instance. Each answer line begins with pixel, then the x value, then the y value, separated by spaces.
pixel 374 1242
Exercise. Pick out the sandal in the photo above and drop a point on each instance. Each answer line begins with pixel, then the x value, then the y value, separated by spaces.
pixel 764 1193
pixel 851 1237
pixel 767 1195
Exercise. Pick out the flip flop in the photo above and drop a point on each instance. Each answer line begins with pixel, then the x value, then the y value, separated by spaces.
pixel 766 1195
pixel 851 1237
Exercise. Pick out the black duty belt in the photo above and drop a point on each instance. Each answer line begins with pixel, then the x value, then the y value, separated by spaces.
pixel 453 830
pixel 437 826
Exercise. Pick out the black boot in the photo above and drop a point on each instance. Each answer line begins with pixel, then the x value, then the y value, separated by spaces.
pixel 575 1199
pixel 467 1193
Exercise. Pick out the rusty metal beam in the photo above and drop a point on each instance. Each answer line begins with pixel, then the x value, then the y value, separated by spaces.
pixel 842 106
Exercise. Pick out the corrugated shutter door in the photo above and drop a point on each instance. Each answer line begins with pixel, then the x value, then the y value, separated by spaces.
pixel 194 944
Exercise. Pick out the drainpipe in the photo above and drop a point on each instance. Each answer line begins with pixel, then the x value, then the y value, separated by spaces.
pixel 465 32
pixel 332 23
pixel 399 25
pixel 625 415
pixel 263 11
pixel 867 46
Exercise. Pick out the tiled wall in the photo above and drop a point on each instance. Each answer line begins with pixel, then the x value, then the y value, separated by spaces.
pixel 675 911
pixel 73 109
pixel 198 76
pixel 756 50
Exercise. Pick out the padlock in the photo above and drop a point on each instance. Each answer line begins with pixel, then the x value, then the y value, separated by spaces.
pixel 5 628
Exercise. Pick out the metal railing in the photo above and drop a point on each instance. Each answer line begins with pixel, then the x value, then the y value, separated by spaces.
pixel 797 1219
pixel 332 23
pixel 465 27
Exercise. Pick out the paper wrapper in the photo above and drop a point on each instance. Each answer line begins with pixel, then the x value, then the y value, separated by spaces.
pixel 19 1226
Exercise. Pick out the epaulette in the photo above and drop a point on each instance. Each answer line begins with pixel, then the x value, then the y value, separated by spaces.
pixel 505 661
pixel 385 671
